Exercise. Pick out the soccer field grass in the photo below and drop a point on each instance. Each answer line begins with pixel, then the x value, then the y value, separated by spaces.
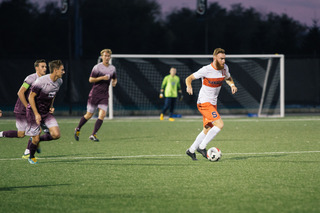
pixel 140 165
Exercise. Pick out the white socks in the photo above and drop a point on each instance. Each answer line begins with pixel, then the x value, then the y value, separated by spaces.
pixel 26 152
pixel 210 135
pixel 196 143
pixel 1 134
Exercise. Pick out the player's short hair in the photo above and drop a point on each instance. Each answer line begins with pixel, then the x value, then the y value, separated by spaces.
pixel 37 62
pixel 56 64
pixel 218 50
pixel 105 50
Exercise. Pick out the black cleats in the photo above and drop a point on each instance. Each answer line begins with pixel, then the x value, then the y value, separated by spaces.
pixel 76 134
pixel 192 155
pixel 203 152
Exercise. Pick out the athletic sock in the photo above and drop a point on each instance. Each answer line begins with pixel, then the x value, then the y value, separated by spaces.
pixel 1 134
pixel 81 123
pixel 210 135
pixel 29 143
pixel 26 152
pixel 46 137
pixel 197 142
pixel 33 149
pixel 10 134
pixel 97 126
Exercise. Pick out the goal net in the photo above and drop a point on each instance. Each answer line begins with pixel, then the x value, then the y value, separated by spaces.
pixel 259 78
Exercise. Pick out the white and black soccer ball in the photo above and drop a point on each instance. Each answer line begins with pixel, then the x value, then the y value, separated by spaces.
pixel 214 154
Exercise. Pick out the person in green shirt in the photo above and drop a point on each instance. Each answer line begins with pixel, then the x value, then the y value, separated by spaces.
pixel 171 90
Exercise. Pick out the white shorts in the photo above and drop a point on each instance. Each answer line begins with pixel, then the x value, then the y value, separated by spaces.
pixel 92 108
pixel 21 122
pixel 33 128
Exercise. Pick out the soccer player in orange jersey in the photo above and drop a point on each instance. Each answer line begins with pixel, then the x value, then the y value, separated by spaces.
pixel 212 77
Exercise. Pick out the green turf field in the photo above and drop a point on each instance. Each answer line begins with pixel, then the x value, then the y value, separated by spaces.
pixel 139 165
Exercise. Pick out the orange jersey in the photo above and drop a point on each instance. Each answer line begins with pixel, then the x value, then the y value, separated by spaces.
pixel 212 80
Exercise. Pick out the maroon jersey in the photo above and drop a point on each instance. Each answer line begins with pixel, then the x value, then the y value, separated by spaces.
pixel 19 108
pixel 99 93
pixel 46 90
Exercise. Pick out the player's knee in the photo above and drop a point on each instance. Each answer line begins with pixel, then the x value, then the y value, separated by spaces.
pixel 35 140
pixel 207 127
pixel 206 130
pixel 219 123
pixel 102 114
pixel 55 135
pixel 20 134
pixel 88 115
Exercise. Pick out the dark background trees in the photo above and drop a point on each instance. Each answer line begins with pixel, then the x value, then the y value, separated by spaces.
pixel 138 27
pixel 29 32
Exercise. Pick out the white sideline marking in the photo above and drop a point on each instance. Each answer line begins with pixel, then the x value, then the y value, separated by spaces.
pixel 183 119
pixel 154 156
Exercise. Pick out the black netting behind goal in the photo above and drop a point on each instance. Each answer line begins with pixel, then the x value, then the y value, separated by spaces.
pixel 139 83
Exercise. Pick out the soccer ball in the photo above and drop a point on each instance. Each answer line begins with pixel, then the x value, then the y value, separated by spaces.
pixel 214 154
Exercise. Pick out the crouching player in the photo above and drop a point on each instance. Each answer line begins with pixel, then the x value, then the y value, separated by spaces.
pixel 41 98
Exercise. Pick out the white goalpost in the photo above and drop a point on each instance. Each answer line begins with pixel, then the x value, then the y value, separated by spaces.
pixel 259 78
pixel 281 76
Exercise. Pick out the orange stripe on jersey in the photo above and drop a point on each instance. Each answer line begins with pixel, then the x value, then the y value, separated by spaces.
pixel 213 82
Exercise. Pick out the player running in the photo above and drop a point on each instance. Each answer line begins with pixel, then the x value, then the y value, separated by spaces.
pixel 22 102
pixel 40 107
pixel 101 76
pixel 212 77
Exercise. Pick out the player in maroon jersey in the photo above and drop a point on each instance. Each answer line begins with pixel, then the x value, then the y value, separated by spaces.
pixel 21 105
pixel 40 107
pixel 101 76
pixel 22 102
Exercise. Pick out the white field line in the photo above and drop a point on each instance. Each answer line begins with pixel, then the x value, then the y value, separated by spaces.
pixel 157 156
pixel 185 119
pixel 197 119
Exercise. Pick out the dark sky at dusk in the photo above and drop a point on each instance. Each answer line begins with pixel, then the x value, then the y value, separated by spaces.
pixel 301 10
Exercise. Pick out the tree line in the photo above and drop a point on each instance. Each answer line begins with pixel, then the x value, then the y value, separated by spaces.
pixel 139 27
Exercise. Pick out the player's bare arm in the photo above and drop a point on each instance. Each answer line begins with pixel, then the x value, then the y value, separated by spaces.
pixel 230 82
pixel 189 80
pixel 21 95
pixel 51 106
pixel 114 82
pixel 32 103
pixel 100 78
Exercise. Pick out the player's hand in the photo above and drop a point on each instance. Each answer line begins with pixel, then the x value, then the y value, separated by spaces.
pixel 180 96
pixel 234 89
pixel 161 95
pixel 106 77
pixel 38 118
pixel 51 111
pixel 0 113
pixel 189 90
